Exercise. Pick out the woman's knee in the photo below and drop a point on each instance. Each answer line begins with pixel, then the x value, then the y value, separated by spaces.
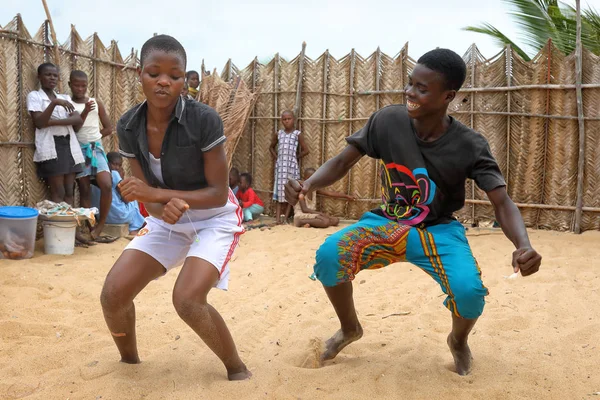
pixel 189 302
pixel 114 297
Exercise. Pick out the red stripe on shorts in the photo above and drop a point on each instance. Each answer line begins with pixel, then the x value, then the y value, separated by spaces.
pixel 236 236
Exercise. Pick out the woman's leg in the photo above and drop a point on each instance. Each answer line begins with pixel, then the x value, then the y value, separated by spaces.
pixel 196 279
pixel 69 183
pixel 130 274
pixel 57 188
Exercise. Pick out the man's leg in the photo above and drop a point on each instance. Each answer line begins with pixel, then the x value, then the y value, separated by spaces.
pixel 444 253
pixel 371 243
pixel 85 191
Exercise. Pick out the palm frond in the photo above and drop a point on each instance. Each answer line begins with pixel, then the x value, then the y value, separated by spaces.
pixel 499 37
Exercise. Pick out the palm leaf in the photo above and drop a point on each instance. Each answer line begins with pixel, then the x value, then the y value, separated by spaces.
pixel 497 36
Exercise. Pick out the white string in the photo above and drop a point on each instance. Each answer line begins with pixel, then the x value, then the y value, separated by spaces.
pixel 193 227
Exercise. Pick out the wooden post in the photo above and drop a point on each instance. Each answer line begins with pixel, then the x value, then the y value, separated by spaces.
pixel 298 104
pixel 95 64
pixel 229 70
pixel 276 89
pixel 377 106
pixel 113 107
pixel 579 94
pixel 546 130
pixel 252 122
pixel 20 105
pixel 472 115
pixel 54 40
pixel 350 116
pixel 508 66
pixel 324 110
pixel 46 41
pixel 73 47
pixel 377 75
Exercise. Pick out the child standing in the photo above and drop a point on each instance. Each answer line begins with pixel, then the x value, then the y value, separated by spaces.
pixel 90 136
pixel 287 147
pixel 305 211
pixel 426 157
pixel 249 200
pixel 177 158
pixel 57 153
pixel 193 81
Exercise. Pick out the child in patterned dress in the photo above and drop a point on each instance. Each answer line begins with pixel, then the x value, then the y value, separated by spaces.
pixel 285 150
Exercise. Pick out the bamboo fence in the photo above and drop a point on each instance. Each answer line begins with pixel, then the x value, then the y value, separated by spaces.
pixel 527 110
pixel 112 79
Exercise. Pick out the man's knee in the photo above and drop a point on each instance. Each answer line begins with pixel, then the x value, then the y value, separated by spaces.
pixel 327 266
pixel 468 298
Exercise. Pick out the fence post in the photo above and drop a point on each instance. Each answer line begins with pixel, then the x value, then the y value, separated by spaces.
pixel 350 116
pixel 46 41
pixel 253 121
pixel 95 63
pixel 298 105
pixel 546 129
pixel 324 86
pixel 472 63
pixel 20 103
pixel 73 47
pixel 113 106
pixel 377 106
pixel 276 88
pixel 580 116
pixel 508 66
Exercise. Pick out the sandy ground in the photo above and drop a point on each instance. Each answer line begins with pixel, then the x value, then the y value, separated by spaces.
pixel 539 337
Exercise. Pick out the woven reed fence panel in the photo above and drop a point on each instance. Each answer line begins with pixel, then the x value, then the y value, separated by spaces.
pixel 112 80
pixel 538 155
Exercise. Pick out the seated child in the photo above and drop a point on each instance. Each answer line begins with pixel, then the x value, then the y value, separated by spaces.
pixel 249 200
pixel 234 180
pixel 305 211
pixel 121 212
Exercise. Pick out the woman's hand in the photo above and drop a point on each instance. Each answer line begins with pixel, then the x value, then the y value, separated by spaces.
pixel 64 103
pixel 133 188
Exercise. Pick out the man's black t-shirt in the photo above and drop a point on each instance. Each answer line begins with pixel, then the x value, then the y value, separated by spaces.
pixel 424 182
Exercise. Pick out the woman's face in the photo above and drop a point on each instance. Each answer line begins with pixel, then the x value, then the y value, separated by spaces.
pixel 163 78
pixel 49 78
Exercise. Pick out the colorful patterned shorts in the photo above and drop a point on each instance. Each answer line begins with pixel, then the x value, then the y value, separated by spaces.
pixel 442 251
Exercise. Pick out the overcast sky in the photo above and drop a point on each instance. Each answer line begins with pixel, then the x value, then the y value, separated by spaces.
pixel 216 30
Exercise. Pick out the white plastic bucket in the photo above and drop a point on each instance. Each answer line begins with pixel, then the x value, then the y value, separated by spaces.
pixel 59 237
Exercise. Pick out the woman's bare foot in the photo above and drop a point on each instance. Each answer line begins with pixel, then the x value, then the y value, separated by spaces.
pixel 239 374
pixel 338 341
pixel 135 360
pixel 461 353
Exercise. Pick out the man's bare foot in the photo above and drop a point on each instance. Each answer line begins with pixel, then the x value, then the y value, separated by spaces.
pixel 338 341
pixel 462 356
pixel 239 374
pixel 133 360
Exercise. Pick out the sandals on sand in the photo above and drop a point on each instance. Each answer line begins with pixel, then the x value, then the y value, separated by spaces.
pixel 105 239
